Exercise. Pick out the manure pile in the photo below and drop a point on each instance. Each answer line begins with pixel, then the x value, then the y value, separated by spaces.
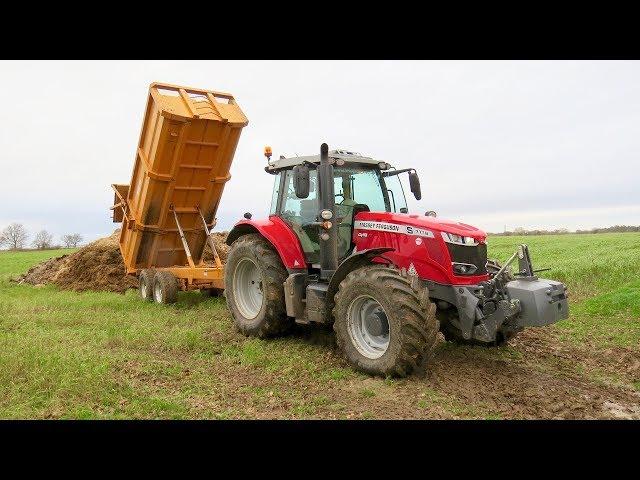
pixel 98 266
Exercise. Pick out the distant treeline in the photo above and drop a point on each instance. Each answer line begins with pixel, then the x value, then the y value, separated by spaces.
pixel 564 231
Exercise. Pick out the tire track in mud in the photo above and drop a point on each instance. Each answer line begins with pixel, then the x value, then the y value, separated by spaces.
pixel 537 377
pixel 528 381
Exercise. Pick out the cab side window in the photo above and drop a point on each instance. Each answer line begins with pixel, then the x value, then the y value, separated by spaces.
pixel 276 193
pixel 299 212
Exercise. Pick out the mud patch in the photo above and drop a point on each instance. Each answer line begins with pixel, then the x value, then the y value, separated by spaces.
pixel 536 377
pixel 533 378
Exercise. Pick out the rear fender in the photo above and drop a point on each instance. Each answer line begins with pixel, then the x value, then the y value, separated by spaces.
pixel 279 234
pixel 352 262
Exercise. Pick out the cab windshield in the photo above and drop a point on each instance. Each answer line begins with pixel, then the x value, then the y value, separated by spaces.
pixel 366 186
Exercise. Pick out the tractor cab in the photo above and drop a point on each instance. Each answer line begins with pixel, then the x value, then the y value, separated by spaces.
pixel 360 184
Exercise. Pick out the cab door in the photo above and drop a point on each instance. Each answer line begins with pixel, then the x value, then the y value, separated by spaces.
pixel 300 213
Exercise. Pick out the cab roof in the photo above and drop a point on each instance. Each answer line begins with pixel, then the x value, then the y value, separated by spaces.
pixel 346 155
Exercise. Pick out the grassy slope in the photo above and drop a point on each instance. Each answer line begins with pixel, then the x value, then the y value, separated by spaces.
pixel 602 272
pixel 104 355
pixel 13 263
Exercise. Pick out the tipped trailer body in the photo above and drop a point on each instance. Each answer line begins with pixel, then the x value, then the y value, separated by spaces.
pixel 187 143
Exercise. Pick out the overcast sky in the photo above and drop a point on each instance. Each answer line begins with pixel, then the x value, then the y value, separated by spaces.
pixel 532 144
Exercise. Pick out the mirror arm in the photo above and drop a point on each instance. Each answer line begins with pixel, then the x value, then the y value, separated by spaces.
pixel 397 172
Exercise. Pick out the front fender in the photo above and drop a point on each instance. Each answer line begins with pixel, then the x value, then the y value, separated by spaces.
pixel 352 262
pixel 276 232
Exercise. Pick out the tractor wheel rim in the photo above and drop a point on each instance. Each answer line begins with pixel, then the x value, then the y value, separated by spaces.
pixel 157 293
pixel 368 327
pixel 247 288
pixel 144 288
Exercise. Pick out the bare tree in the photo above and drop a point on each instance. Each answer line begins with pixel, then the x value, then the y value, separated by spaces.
pixel 71 240
pixel 42 240
pixel 14 236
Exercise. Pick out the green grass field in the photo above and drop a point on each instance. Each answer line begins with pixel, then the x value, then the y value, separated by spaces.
pixel 105 355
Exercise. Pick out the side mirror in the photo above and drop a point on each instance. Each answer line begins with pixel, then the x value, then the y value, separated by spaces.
pixel 301 181
pixel 414 183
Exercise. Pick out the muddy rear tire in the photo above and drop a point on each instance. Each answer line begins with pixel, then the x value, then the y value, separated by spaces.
pixel 145 285
pixel 366 298
pixel 254 290
pixel 165 287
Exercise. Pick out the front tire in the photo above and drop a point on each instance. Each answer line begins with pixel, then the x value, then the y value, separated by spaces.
pixel 253 280
pixel 385 323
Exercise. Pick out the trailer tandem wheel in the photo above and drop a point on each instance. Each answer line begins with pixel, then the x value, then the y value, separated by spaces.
pixel 145 284
pixel 165 287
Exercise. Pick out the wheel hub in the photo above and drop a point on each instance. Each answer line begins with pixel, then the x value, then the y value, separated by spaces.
pixel 247 288
pixel 376 323
pixel 368 327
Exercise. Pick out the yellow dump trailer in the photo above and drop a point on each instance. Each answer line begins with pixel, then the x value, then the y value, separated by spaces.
pixel 188 140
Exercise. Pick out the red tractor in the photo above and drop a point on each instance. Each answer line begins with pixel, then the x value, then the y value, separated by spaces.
pixel 340 247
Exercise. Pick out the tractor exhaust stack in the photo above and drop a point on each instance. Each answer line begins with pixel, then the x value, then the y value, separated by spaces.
pixel 328 236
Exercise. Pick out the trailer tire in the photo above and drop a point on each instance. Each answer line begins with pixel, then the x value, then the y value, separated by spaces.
pixel 145 285
pixel 254 290
pixel 411 324
pixel 165 287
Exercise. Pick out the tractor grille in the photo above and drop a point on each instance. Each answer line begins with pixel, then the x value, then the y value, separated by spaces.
pixel 473 254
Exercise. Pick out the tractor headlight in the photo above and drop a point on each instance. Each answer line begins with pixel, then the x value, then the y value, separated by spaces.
pixel 458 239
pixel 326 214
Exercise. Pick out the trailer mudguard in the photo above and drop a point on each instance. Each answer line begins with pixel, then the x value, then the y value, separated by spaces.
pixel 279 234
